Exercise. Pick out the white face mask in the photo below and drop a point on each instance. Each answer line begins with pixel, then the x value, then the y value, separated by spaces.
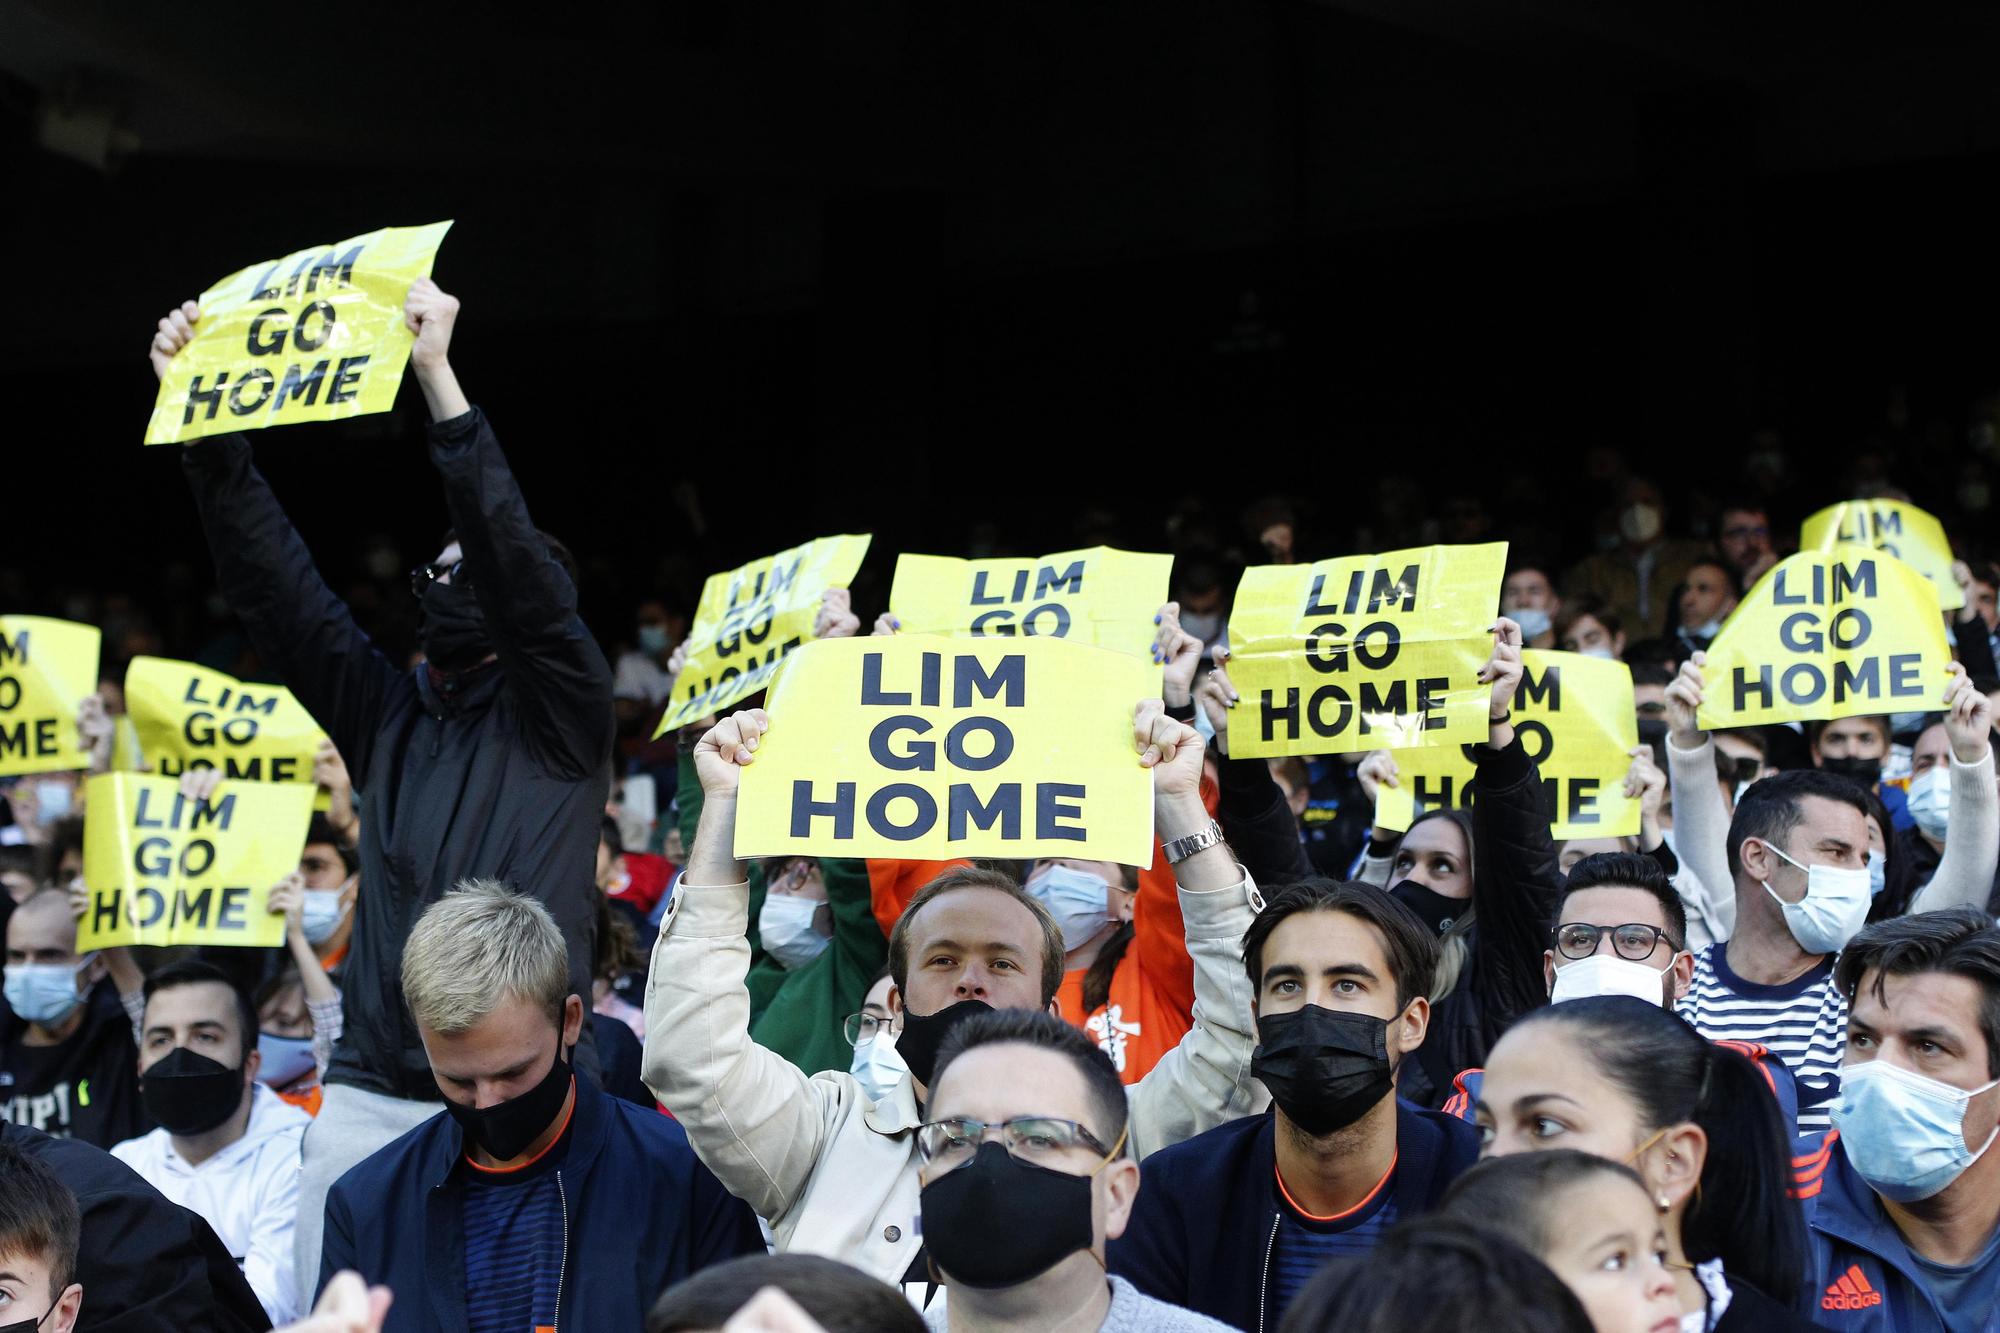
pixel 1607 974
pixel 785 927
pixel 1640 523
pixel 1708 629
pixel 1833 910
pixel 877 1066
pixel 1597 650
pixel 1930 801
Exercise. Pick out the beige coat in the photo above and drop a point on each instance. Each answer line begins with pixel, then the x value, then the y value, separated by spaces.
pixel 835 1173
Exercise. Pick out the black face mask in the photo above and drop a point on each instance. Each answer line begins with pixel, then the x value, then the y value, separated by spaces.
pixel 999 1222
pixel 1325 1069
pixel 29 1325
pixel 923 1034
pixel 505 1129
pixel 1433 909
pixel 188 1093
pixel 1652 731
pixel 452 630
pixel 1867 772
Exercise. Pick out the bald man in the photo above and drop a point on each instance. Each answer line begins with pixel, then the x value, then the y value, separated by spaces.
pixel 67 1063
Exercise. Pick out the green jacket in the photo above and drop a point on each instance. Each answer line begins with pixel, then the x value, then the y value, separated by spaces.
pixel 799 1014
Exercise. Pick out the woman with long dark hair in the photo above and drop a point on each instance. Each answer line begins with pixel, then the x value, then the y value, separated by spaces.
pixel 1619 1078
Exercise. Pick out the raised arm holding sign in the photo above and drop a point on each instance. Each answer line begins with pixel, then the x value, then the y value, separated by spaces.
pixel 46 668
pixel 832 1169
pixel 1845 632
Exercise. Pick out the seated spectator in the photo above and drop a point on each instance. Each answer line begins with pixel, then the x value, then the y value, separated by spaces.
pixel 1956 811
pixel 1424 1278
pixel 619 1053
pixel 1856 748
pixel 1237 1219
pixel 39 1234
pixel 1620 930
pixel 1634 580
pixel 330 877
pixel 533 1199
pixel 1803 832
pixel 1528 598
pixel 1904 1201
pixel 836 1172
pixel 838 1298
pixel 871 1031
pixel 1590 1220
pixel 227 1148
pixel 150 1266
pixel 1624 1079
pixel 1743 536
pixel 1707 596
pixel 68 1066
pixel 1589 626
pixel 1027 1178
pixel 289 1062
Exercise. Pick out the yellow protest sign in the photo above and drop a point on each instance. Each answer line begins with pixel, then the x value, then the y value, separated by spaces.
pixel 1364 651
pixel 190 716
pixel 1102 596
pixel 748 620
pixel 1828 634
pixel 1575 718
pixel 46 669
pixel 162 869
pixel 1903 530
pixel 919 746
pixel 314 336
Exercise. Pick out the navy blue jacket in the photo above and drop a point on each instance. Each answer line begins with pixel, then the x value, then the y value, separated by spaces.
pixel 1859 1273
pixel 640 1212
pixel 1201 1232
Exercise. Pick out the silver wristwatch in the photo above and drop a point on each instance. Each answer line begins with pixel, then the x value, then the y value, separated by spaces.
pixel 1180 849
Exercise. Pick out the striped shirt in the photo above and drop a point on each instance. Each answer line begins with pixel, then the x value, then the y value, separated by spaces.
pixel 516 1236
pixel 1803 1022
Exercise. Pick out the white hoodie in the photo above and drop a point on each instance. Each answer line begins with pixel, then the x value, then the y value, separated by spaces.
pixel 249 1192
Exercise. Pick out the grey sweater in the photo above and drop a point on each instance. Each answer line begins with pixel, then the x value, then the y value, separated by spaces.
pixel 1130 1312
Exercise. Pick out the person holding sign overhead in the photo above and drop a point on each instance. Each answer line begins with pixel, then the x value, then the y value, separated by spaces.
pixel 489 760
pixel 1485 882
pixel 836 1172
pixel 1798 852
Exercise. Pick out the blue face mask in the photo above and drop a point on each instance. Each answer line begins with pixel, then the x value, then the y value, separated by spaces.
pixel 1930 801
pixel 1078 900
pixel 321 915
pixel 44 993
pixel 1534 622
pixel 877 1067
pixel 652 639
pixel 286 1060
pixel 1878 875
pixel 1903 1132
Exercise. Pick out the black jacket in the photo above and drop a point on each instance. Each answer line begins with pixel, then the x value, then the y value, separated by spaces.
pixel 146 1265
pixel 504 778
pixel 1201 1232
pixel 640 1212
pixel 84 1088
pixel 1516 882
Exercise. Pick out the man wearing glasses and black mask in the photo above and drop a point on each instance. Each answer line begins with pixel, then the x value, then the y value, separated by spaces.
pixel 489 760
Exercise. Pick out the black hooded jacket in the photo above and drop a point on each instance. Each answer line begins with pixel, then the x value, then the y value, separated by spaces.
pixel 146 1265
pixel 502 777
pixel 85 1087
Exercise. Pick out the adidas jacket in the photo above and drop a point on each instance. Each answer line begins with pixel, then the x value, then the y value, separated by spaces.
pixel 1860 1277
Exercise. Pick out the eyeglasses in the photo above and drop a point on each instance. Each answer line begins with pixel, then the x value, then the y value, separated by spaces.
pixel 1036 1139
pixel 1744 532
pixel 423 576
pixel 1634 940
pixel 863 1027
pixel 1746 769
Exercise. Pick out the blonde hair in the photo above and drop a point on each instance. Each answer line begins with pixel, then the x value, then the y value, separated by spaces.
pixel 475 947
